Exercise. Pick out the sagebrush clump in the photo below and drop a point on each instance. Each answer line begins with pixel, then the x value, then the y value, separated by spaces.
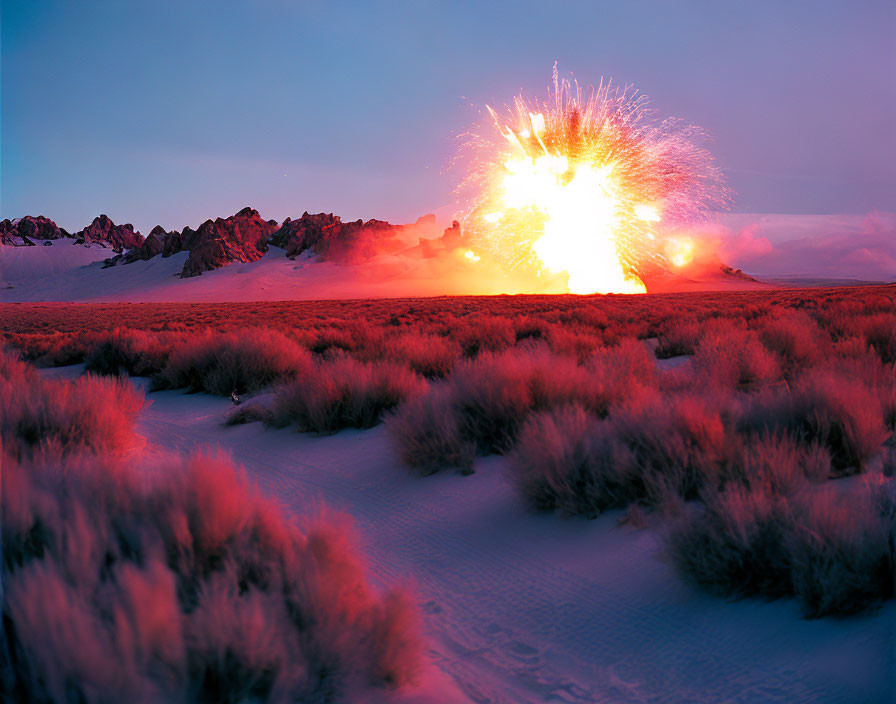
pixel 188 587
pixel 89 413
pixel 240 360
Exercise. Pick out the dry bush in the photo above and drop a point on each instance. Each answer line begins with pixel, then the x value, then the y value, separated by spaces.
pixel 486 400
pixel 493 394
pixel 840 550
pixel 243 360
pixel 876 328
pixel 647 452
pixel 343 393
pixel 54 349
pixel 430 355
pixel 530 327
pixel 484 333
pixel 129 352
pixel 679 338
pixel 834 553
pixel 825 407
pixel 89 413
pixel 574 342
pixel 186 586
pixel 359 338
pixel 795 337
pixel 333 338
pixel 777 464
pixel 567 460
pixel 858 362
pixel 426 433
pixel 678 444
pixel 730 357
pixel 880 332
pixel 627 371
pixel 735 544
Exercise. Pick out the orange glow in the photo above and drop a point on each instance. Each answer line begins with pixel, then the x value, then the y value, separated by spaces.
pixel 680 251
pixel 578 186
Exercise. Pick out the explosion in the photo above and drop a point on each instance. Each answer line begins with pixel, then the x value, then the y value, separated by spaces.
pixel 579 185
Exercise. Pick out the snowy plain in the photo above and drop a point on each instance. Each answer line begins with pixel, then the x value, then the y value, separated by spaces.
pixel 68 272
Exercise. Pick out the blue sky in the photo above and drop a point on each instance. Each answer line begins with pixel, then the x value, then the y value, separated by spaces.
pixel 171 112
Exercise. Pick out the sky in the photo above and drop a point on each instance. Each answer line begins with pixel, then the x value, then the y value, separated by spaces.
pixel 172 112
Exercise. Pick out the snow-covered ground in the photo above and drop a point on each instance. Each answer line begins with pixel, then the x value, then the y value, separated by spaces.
pixel 66 272
pixel 522 608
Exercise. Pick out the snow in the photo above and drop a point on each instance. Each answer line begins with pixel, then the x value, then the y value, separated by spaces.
pixel 36 269
pixel 68 273
pixel 523 608
pixel 273 278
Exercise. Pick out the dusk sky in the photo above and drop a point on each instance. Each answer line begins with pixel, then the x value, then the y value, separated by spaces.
pixel 172 112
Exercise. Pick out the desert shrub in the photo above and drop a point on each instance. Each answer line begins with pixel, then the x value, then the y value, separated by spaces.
pixel 880 332
pixel 427 435
pixel 529 327
pixel 832 552
pixel 776 463
pixel 876 328
pixel 824 407
pixel 243 360
pixel 332 338
pixel 795 337
pixel 89 413
pixel 343 393
pixel 678 443
pixel 730 357
pixel 358 338
pixel 129 352
pixel 840 551
pixel 188 587
pixel 490 397
pixel 569 461
pixel 429 355
pixel 648 452
pixel 858 362
pixel 623 367
pixel 734 545
pixel 54 349
pixel 491 333
pixel 493 394
pixel 678 338
pixel 578 343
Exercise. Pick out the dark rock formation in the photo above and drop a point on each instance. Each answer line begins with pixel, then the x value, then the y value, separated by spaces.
pixel 28 228
pixel 240 238
pixel 153 244
pixel 330 239
pixel 736 273
pixel 104 232
pixel 245 237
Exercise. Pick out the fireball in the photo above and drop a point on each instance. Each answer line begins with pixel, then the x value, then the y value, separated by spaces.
pixel 581 185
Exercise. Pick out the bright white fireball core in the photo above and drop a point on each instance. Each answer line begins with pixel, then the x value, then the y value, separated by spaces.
pixel 580 209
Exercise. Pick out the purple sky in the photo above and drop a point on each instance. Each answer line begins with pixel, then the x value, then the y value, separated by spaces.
pixel 171 112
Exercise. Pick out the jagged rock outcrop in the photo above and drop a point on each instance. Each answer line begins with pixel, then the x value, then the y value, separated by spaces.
pixel 153 245
pixel 242 237
pixel 736 273
pixel 104 232
pixel 330 239
pixel 28 228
